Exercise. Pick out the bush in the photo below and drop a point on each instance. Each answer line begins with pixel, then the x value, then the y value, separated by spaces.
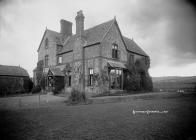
pixel 146 83
pixel 58 84
pixel 36 89
pixel 132 82
pixel 77 97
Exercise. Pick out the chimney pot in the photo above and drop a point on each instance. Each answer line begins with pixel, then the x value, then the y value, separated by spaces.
pixel 66 28
pixel 79 22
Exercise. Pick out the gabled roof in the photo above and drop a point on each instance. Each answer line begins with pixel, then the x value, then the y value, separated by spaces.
pixel 54 34
pixel 96 34
pixel 133 47
pixel 92 35
pixel 12 71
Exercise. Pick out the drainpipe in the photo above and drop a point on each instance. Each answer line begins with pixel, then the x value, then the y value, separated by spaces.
pixel 83 67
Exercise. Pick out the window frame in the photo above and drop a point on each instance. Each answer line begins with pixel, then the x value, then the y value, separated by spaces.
pixel 69 81
pixel 58 60
pixel 90 76
pixel 46 43
pixel 115 51
pixel 46 60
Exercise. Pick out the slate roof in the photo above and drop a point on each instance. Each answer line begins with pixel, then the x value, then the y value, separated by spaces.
pixel 12 71
pixel 94 35
pixel 56 72
pixel 133 47
pixel 54 34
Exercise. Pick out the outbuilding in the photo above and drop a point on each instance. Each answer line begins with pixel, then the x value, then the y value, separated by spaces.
pixel 14 79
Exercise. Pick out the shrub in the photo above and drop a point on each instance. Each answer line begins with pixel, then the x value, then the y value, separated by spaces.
pixel 77 97
pixel 132 82
pixel 36 89
pixel 58 84
pixel 43 82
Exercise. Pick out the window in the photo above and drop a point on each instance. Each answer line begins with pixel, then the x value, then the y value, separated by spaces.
pixel 46 43
pixel 69 80
pixel 90 77
pixel 115 51
pixel 60 60
pixel 46 60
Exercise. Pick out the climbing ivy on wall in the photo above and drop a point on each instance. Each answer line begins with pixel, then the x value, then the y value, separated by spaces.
pixel 137 77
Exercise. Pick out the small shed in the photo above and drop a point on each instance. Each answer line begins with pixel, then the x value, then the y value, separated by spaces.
pixel 14 79
pixel 55 80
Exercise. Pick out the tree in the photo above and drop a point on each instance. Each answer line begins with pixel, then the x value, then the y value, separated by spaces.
pixel 39 71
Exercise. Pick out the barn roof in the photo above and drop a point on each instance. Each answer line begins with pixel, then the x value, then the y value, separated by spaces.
pixel 12 71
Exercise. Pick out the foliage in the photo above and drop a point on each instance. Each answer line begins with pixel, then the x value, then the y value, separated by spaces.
pixel 67 69
pixel 36 89
pixel 77 97
pixel 39 71
pixel 146 83
pixel 58 84
pixel 28 85
pixel 132 81
pixel 137 76
pixel 42 82
pixel 13 85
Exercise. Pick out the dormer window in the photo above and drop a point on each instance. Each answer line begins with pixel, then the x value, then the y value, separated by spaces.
pixel 46 43
pixel 115 51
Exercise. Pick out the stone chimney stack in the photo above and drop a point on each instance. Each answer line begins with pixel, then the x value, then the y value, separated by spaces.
pixel 79 22
pixel 66 28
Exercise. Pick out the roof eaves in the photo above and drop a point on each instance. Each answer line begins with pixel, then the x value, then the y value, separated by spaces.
pixel 42 39
pixel 115 21
pixel 108 30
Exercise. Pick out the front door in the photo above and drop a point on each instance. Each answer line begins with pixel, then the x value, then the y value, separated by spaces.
pixel 50 83
pixel 116 78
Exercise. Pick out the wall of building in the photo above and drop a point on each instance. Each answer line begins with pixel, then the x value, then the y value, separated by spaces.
pixel 51 50
pixel 113 36
pixel 92 51
pixel 95 88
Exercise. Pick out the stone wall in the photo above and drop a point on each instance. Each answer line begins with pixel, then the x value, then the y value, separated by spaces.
pixel 113 36
pixel 50 51
pixel 92 51
pixel 67 57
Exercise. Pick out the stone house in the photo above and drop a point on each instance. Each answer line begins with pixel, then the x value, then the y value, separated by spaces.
pixel 93 60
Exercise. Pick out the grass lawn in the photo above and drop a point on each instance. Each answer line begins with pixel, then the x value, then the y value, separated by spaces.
pixel 110 121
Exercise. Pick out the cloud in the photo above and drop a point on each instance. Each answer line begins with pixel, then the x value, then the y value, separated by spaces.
pixel 165 29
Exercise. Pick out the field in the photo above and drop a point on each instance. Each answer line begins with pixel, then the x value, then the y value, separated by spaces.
pixel 173 83
pixel 53 119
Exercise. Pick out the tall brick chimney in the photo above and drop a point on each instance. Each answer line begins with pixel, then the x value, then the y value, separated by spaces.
pixel 66 28
pixel 79 22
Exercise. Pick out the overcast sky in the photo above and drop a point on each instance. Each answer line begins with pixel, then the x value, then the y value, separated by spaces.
pixel 165 29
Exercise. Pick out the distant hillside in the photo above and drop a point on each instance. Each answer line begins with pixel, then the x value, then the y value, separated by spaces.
pixel 174 83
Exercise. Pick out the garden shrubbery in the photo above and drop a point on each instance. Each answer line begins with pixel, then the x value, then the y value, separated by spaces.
pixel 77 97
pixel 36 89
pixel 137 77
